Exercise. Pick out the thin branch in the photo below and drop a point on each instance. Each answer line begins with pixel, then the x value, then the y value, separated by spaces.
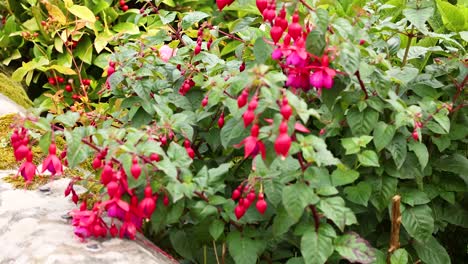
pixel 361 83
pixel 307 5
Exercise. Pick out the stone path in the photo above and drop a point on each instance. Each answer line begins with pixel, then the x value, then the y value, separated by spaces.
pixel 7 106
pixel 34 228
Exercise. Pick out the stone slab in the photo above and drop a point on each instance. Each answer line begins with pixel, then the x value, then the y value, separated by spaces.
pixel 7 106
pixel 34 229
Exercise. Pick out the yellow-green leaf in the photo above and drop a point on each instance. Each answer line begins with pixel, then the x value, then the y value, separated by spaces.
pixel 82 12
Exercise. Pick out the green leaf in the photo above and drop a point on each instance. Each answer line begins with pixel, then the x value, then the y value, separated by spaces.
pixel 243 250
pixel 383 135
pixel 216 229
pixel 315 150
pixel 233 129
pixel 349 58
pixel 68 119
pixel 193 17
pixel 413 196
pixel 315 42
pixel 296 197
pixel 182 243
pixel 398 150
pixel 82 12
pixel 455 163
pixel 368 158
pixel 350 145
pixel 431 252
pixel 443 120
pixel 62 69
pixel 343 175
pixel 77 152
pixel 262 51
pixel 400 256
pixel 452 17
pixel 126 27
pixel 419 16
pixel 421 152
pixel 84 50
pixel 359 194
pixel 18 74
pixel 334 209
pixel 418 222
pixel 355 249
pixel 362 123
pixel 282 221
pixel 316 248
pixel 384 188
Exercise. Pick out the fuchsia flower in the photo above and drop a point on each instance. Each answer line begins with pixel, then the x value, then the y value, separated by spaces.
pixel 166 52
pixel 88 223
pixel 52 163
pixel 252 145
pixel 128 228
pixel 323 76
pixel 148 204
pixel 28 169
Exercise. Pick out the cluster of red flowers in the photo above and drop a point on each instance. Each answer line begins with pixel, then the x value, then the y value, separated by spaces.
pixel 22 151
pixel 246 196
pixel 114 178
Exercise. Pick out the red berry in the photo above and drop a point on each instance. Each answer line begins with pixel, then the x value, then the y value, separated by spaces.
pixel 122 2
pixel 155 157
pixel 239 211
pixel 166 200
pixel 221 120
pixel 415 135
pixel 261 206
pixel 251 196
pixel 248 117
pixel 242 67
pixel 110 71
pixel 52 81
pixel 125 8
pixel 242 99
pixel 261 5
pixel 97 163
pixel 236 194
pixel 136 169
pixel 68 88
pixel 204 102
pixel 362 42
pixel 60 80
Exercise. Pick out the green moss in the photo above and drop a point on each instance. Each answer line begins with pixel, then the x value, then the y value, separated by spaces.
pixel 14 91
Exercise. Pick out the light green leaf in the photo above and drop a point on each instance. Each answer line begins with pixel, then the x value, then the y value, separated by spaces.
pixel 421 152
pixel 359 194
pixel 82 12
pixel 418 222
pixel 383 135
pixel 452 17
pixel 443 120
pixel 126 27
pixel 296 197
pixel 262 51
pixel 368 158
pixel 216 229
pixel 334 209
pixel 315 150
pixel 343 175
pixel 243 250
pixel 69 118
pixel 62 69
pixel 418 16
pixel 316 248
pixel 398 150
pixel 193 17
pixel 400 256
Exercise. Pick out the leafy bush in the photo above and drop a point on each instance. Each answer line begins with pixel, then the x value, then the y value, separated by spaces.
pixel 358 109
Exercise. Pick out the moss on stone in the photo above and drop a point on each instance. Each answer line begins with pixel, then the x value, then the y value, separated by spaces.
pixel 14 91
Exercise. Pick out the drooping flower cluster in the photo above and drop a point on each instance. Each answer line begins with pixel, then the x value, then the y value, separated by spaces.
pixel 246 196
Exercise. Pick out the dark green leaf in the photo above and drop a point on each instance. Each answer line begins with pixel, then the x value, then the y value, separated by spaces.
pixel 431 252
pixel 383 135
pixel 400 256
pixel 315 42
pixel 193 17
pixel 418 222
pixel 368 158
pixel 343 176
pixel 362 123
pixel 334 209
pixel 262 51
pixel 243 250
pixel 316 248
pixel 398 150
pixel 296 197
pixel 359 194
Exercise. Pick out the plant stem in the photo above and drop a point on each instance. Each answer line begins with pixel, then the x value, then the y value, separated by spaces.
pixel 307 5
pixel 316 217
pixel 216 252
pixel 361 83
pixel 395 231
pixel 408 46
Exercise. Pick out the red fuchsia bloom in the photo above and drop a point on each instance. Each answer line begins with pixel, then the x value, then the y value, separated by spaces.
pixel 28 169
pixel 52 163
pixel 135 169
pixel 166 52
pixel 116 207
pixel 323 76
pixel 128 228
pixel 148 204
pixel 252 145
pixel 283 141
pixel 223 3
pixel 87 223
